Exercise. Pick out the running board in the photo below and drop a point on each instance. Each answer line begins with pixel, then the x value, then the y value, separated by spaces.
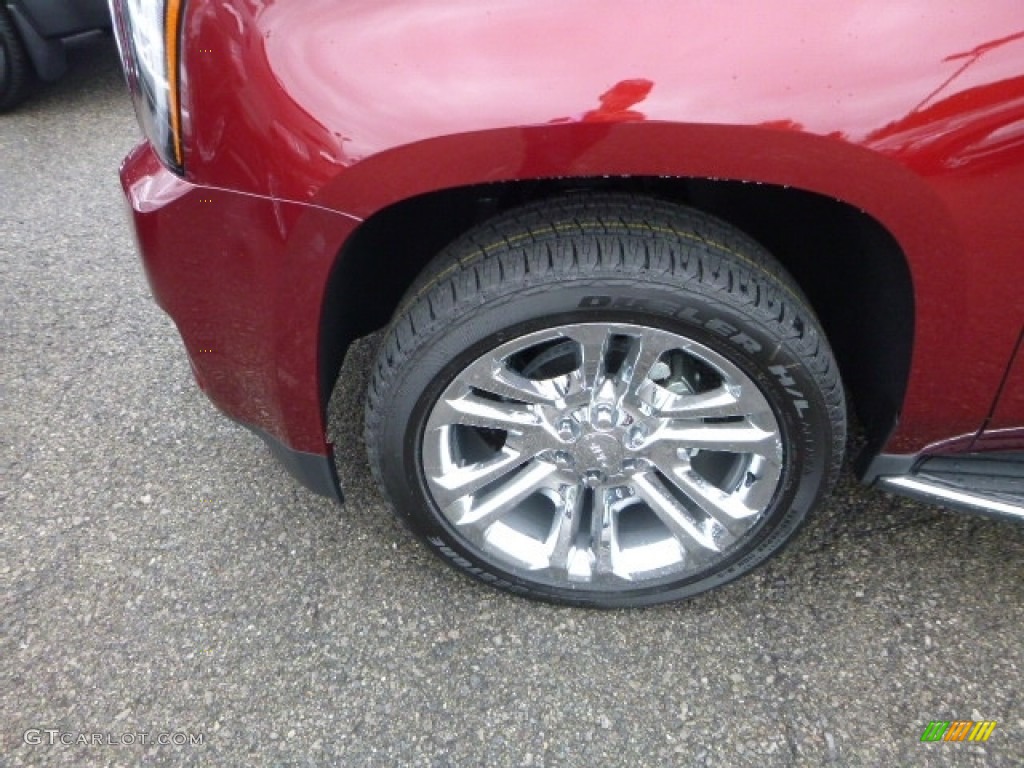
pixel 990 484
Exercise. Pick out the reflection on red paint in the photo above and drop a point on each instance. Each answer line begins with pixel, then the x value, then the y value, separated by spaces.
pixel 984 122
pixel 961 132
pixel 615 104
pixel 617 100
pixel 783 125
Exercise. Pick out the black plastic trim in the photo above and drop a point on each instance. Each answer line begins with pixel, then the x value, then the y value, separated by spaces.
pixel 315 471
pixel 887 465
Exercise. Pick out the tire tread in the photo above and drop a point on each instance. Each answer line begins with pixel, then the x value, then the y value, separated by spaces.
pixel 20 72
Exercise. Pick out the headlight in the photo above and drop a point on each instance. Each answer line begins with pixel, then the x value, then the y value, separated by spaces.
pixel 148 36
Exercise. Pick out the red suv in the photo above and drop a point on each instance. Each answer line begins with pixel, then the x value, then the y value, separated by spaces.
pixel 634 261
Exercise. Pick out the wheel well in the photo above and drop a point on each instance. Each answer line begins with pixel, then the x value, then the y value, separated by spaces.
pixel 851 269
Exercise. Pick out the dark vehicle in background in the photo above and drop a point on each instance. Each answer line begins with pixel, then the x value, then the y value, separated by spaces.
pixel 33 35
pixel 635 262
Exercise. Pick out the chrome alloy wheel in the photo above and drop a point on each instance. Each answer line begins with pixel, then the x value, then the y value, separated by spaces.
pixel 602 456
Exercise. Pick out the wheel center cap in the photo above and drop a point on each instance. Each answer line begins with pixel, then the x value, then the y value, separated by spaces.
pixel 599 451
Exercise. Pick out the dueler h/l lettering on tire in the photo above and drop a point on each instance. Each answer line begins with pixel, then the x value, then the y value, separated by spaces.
pixel 605 400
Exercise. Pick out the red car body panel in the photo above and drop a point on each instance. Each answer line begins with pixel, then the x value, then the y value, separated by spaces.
pixel 1004 428
pixel 247 302
pixel 320 114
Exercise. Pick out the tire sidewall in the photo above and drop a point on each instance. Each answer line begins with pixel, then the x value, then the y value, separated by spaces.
pixel 748 341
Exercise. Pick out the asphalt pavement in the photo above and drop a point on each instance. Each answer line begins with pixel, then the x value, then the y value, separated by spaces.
pixel 163 580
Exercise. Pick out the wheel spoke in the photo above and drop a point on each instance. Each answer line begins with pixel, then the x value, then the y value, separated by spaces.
pixel 593 344
pixel 760 484
pixel 472 410
pixel 493 375
pixel 602 532
pixel 730 437
pixel 503 499
pixel 645 351
pixel 680 522
pixel 466 481
pixel 721 402
pixel 567 527
pixel 725 508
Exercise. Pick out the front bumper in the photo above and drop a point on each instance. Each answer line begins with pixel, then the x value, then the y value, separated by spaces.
pixel 243 278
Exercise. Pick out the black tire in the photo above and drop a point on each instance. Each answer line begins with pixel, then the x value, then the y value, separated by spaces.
pixel 609 262
pixel 15 69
